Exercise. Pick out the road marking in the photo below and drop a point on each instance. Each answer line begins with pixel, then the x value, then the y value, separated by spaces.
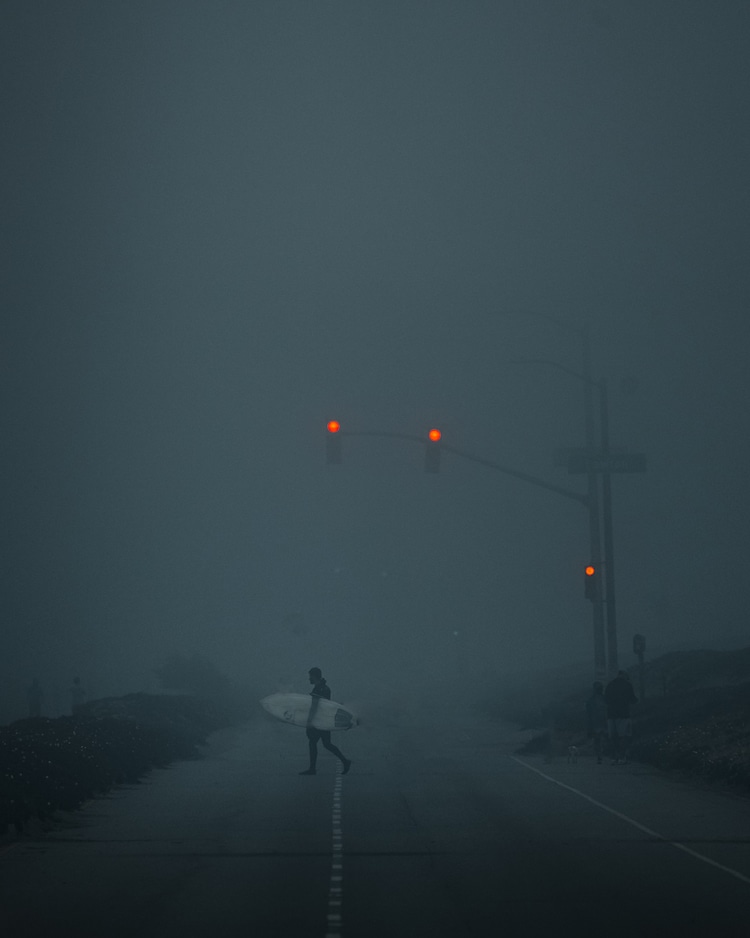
pixel 641 827
pixel 335 890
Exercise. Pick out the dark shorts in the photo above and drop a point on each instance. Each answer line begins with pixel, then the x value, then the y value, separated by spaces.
pixel 312 733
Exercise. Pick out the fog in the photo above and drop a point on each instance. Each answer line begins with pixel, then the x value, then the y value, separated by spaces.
pixel 225 224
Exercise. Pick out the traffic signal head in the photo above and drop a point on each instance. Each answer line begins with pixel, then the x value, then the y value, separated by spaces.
pixel 590 577
pixel 333 442
pixel 432 451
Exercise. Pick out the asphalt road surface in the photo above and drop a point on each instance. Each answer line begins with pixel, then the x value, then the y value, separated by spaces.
pixel 438 830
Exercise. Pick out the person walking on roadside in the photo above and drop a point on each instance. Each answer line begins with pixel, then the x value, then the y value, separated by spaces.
pixel 620 696
pixel 596 716
pixel 321 689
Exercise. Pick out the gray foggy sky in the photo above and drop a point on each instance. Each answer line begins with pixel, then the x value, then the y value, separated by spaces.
pixel 225 223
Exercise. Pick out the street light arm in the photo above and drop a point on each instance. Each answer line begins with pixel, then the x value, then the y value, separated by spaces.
pixel 535 314
pixel 554 364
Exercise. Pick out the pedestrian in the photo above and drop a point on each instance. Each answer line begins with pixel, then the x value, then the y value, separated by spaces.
pixel 596 715
pixel 619 696
pixel 35 698
pixel 321 689
pixel 77 696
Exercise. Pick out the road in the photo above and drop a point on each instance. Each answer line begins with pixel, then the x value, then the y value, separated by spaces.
pixel 437 831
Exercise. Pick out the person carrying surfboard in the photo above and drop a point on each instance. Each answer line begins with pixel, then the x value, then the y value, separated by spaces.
pixel 321 689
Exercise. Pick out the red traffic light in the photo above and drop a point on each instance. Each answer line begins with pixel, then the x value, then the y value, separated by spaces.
pixel 333 443
pixel 432 451
pixel 590 583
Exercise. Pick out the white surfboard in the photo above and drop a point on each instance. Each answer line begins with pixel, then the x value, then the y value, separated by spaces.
pixel 306 710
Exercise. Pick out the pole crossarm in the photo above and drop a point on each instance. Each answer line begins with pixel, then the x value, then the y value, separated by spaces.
pixel 516 473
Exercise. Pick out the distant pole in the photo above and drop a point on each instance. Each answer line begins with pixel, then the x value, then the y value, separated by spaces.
pixel 642 678
pixel 595 548
pixel 639 647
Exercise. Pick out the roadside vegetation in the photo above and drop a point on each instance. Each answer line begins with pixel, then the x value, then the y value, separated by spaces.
pixel 694 717
pixel 52 764
pixel 47 765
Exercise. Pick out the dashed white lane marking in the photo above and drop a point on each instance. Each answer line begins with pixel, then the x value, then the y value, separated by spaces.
pixel 334 918
pixel 641 827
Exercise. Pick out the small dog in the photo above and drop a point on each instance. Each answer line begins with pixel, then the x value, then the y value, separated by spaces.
pixel 572 753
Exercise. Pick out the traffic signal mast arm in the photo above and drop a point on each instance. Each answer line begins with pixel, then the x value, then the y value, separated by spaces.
pixel 516 473
pixel 397 436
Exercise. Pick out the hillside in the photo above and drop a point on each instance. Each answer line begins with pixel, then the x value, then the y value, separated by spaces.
pixel 679 671
pixel 694 718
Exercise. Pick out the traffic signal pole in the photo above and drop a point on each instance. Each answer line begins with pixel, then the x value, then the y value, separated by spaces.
pixel 434 446
pixel 595 547
pixel 609 541
pixel 592 500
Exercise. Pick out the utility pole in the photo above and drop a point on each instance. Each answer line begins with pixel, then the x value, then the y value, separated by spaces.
pixel 594 460
pixel 595 547
pixel 609 549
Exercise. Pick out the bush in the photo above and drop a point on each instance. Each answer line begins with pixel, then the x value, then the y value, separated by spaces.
pixel 47 764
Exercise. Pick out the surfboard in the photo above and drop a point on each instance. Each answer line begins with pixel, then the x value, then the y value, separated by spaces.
pixel 306 710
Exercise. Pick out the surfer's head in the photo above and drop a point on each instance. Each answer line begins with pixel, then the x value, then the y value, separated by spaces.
pixel 315 675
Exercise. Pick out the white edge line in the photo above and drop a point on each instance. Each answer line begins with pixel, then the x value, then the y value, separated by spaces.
pixel 641 827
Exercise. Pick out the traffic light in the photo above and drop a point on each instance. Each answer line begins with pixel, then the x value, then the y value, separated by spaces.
pixel 590 576
pixel 432 451
pixel 333 443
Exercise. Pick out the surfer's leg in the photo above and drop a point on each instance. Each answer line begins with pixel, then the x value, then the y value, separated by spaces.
pixel 312 743
pixel 325 738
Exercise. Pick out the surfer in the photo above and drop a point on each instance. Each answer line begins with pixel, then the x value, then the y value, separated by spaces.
pixel 321 689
